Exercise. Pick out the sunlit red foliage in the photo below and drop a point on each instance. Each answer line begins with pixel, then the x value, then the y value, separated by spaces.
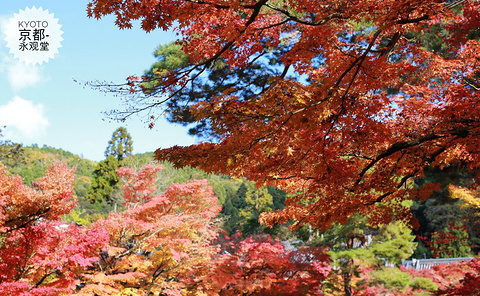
pixel 266 267
pixel 469 284
pixel 161 243
pixel 444 275
pixel 138 187
pixel 39 255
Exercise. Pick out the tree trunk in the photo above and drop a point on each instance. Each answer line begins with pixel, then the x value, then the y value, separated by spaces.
pixel 347 283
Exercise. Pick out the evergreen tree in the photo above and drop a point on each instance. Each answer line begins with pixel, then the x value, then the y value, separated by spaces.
pixel 393 242
pixel 238 200
pixel 279 197
pixel 357 246
pixel 104 181
pixel 348 248
pixel 121 144
pixel 105 184
pixel 232 207
pixel 231 217
pixel 436 214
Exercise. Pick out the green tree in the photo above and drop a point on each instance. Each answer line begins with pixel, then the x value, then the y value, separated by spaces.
pixel 279 197
pixel 348 248
pixel 105 185
pixel 257 201
pixel 238 200
pixel 242 207
pixel 393 242
pixel 121 144
pixel 230 213
pixel 104 181
pixel 393 281
pixel 232 207
pixel 357 248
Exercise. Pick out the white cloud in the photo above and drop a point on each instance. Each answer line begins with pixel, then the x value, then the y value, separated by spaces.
pixel 23 119
pixel 21 75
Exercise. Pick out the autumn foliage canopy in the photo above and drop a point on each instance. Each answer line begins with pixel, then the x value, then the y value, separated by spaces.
pixel 354 102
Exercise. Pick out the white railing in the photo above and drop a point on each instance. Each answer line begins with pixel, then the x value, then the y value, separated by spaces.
pixel 420 264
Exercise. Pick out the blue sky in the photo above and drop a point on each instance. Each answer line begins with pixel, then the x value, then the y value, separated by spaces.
pixel 42 104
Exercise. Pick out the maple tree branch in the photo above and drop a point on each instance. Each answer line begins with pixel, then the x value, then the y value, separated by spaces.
pixel 272 26
pixel 358 156
pixel 396 148
pixel 358 62
pixel 414 20
pixel 399 146
pixel 455 4
pixel 471 83
pixel 158 271
pixel 404 179
pixel 304 22
pixel 47 274
pixel 285 71
pixel 256 10
pixel 27 219
pixel 427 17
pixel 126 114
pixel 137 245
pixel 218 5
pixel 379 199
pixel 202 66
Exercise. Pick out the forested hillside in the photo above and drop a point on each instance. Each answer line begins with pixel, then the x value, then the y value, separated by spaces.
pixel 242 202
